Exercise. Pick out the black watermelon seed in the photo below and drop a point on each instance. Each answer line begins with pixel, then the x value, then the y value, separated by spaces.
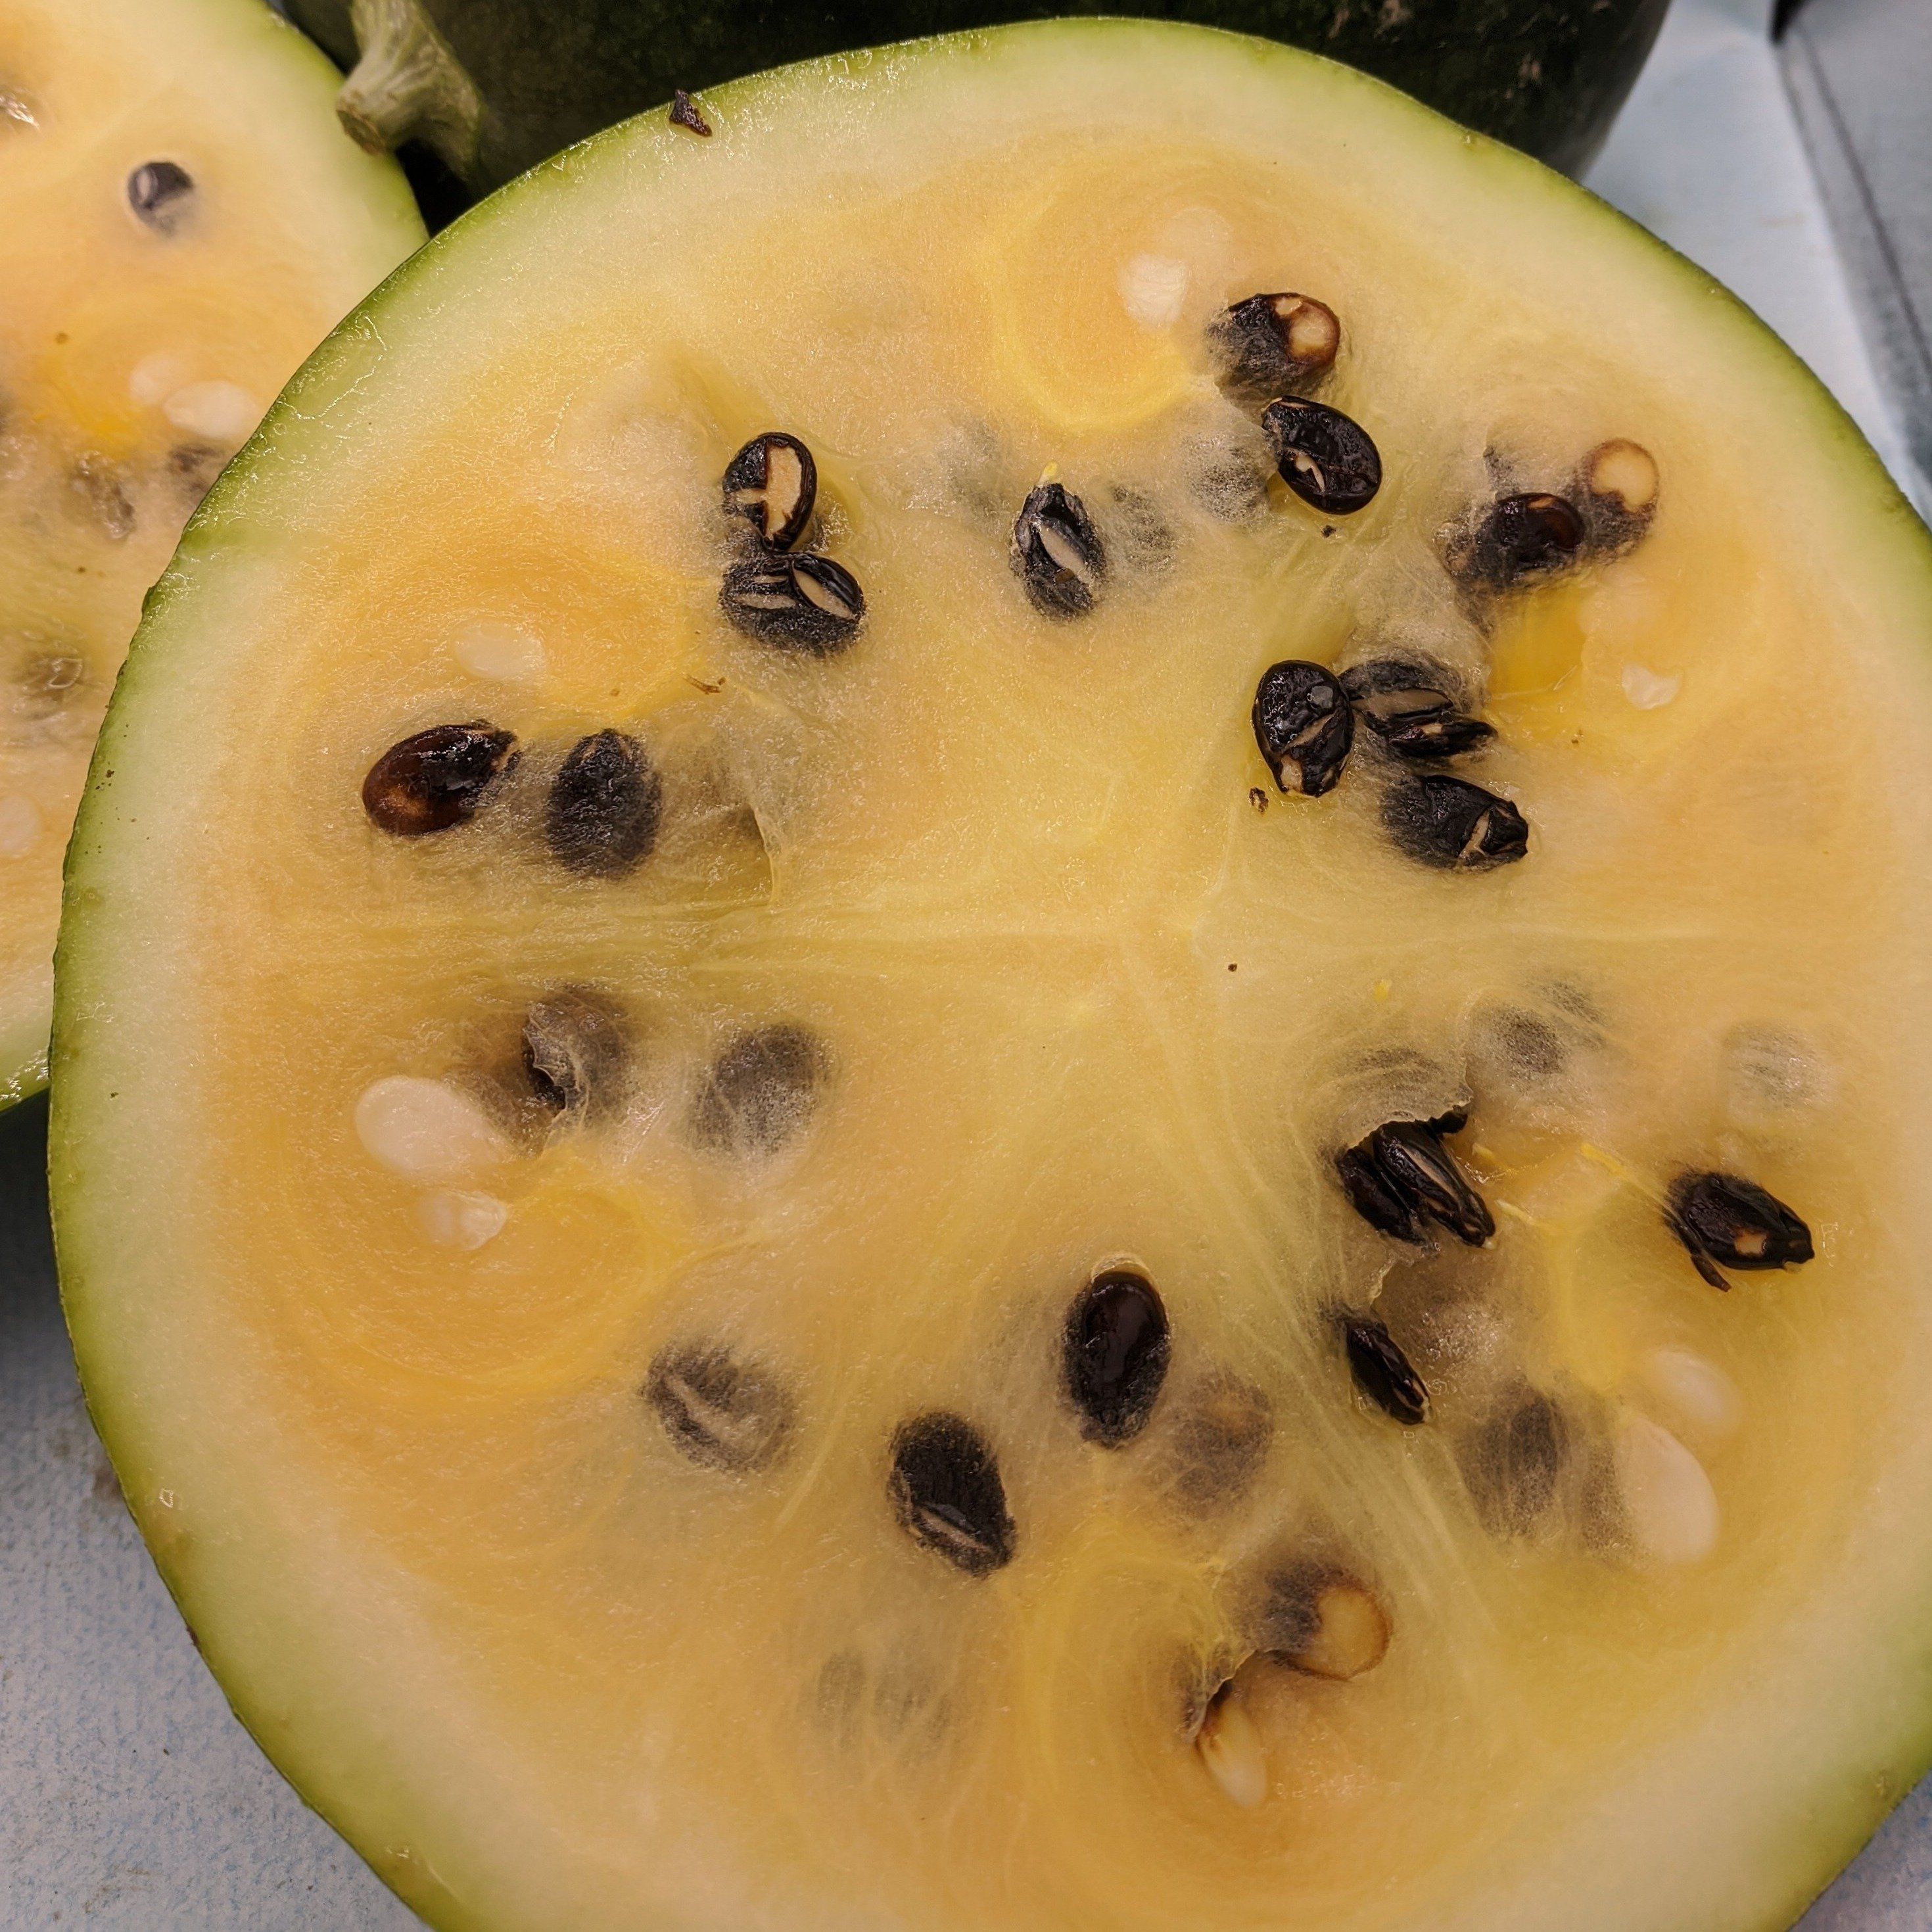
pixel 601 818
pixel 1401 1176
pixel 945 1491
pixel 1517 537
pixel 436 778
pixel 1268 345
pixel 576 1054
pixel 772 483
pixel 1382 1372
pixel 1057 553
pixel 1447 733
pixel 1453 825
pixel 760 1091
pixel 1512 1463
pixel 806 603
pixel 685 113
pixel 1725 1221
pixel 159 193
pixel 1325 458
pixel 1303 726
pixel 722 1413
pixel 1115 1355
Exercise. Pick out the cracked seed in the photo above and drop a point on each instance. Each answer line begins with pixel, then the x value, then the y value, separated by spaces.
pixel 1727 1222
pixel 772 483
pixel 1325 458
pixel 601 818
pixel 1303 726
pixel 945 1490
pixel 1057 553
pixel 805 603
pixel 1453 825
pixel 1115 1355
pixel 437 778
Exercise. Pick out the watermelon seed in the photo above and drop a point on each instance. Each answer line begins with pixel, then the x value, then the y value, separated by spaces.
pixel 1382 1372
pixel 1303 726
pixel 437 778
pixel 425 1129
pixel 1325 458
pixel 772 483
pixel 601 819
pixel 1231 1749
pixel 576 1055
pixel 1402 1176
pixel 462 1220
pixel 760 1091
pixel 1670 1511
pixel 158 192
pixel 1057 553
pixel 720 1412
pixel 1619 487
pixel 1230 486
pixel 220 413
pixel 1115 1355
pixel 1727 1222
pixel 684 113
pixel 1453 825
pixel 1410 714
pixel 1147 540
pixel 1321 1620
pixel 1515 537
pixel 1511 1465
pixel 945 1491
pixel 805 603
pixel 102 486
pixel 1698 1394
pixel 1220 1442
pixel 1268 345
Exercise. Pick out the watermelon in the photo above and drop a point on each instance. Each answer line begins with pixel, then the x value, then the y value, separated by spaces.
pixel 184 222
pixel 999 1008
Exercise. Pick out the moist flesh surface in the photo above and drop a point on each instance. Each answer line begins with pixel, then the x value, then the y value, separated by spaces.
pixel 757 1312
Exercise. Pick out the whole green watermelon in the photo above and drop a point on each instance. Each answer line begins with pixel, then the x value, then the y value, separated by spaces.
pixel 493 86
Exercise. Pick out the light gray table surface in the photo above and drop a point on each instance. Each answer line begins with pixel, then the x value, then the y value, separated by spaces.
pixel 130 1801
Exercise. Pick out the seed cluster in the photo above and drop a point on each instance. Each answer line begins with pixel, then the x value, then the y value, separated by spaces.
pixel 799 601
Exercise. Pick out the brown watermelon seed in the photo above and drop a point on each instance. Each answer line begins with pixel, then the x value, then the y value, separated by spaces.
pixel 1517 537
pixel 1057 554
pixel 435 779
pixel 1322 1620
pixel 1725 1221
pixel 1326 458
pixel 1303 726
pixel 685 113
pixel 772 483
pixel 806 603
pixel 720 1412
pixel 945 1490
pixel 576 1054
pixel 1619 490
pixel 1382 1372
pixel 1401 1176
pixel 160 193
pixel 102 486
pixel 601 818
pixel 1511 1464
pixel 1220 1442
pixel 760 1091
pixel 1268 345
pixel 1453 825
pixel 1113 1355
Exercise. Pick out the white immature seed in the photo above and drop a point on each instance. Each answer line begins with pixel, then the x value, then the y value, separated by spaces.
pixel 21 825
pixel 224 413
pixel 501 652
pixel 1154 289
pixel 1231 1751
pixel 461 1220
pixel 1700 1397
pixel 425 1129
pixel 1648 690
pixel 155 377
pixel 1670 1509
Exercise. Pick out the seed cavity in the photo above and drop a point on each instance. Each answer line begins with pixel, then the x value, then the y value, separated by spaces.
pixel 577 1055
pixel 1453 825
pixel 1382 1372
pixel 719 1410
pixel 1402 1177
pixel 433 780
pixel 1115 1355
pixel 1511 1464
pixel 945 1491
pixel 1269 345
pixel 1619 490
pixel 1322 1620
pixel 760 1091
pixel 1303 725
pixel 601 819
pixel 160 193
pixel 1230 1748
pixel 425 1129
pixel 772 483
pixel 806 603
pixel 1325 458
pixel 1057 553
pixel 1515 539
pixel 1725 1221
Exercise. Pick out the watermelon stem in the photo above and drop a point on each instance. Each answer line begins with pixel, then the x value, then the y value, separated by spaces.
pixel 408 85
